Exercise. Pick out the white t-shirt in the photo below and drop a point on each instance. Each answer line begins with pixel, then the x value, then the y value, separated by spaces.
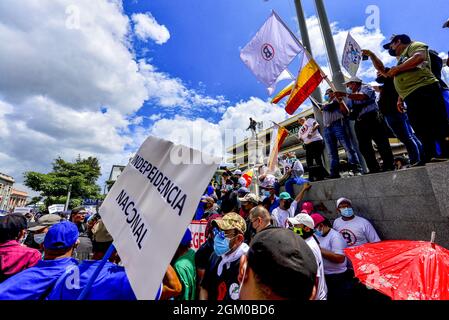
pixel 306 129
pixel 335 243
pixel 269 180
pixel 280 216
pixel 322 287
pixel 357 231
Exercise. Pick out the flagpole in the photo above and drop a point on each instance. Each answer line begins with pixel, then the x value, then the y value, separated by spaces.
pixel 106 257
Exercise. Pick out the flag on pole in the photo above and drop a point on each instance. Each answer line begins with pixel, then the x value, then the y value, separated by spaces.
pixel 271 50
pixel 278 137
pixel 352 56
pixel 283 93
pixel 248 177
pixel 309 78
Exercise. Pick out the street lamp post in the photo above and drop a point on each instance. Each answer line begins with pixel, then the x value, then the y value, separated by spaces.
pixel 68 198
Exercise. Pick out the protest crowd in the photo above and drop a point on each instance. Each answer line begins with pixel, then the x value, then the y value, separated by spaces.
pixel 267 246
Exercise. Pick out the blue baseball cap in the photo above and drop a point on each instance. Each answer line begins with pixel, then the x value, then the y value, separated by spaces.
pixel 62 235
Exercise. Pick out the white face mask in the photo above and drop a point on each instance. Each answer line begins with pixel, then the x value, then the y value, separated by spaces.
pixel 39 238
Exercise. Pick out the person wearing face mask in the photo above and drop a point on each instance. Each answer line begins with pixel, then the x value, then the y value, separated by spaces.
pixel 369 126
pixel 332 245
pixel 336 129
pixel 260 219
pixel 36 282
pixel 278 266
pixel 37 232
pixel 303 225
pixel 397 120
pixel 287 207
pixel 418 87
pixel 14 257
pixel 248 202
pixel 220 280
pixel 269 193
pixel 354 229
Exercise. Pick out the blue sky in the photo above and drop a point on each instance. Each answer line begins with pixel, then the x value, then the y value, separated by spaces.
pixel 95 78
pixel 206 35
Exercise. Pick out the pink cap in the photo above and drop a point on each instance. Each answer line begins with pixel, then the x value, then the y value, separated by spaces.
pixel 317 218
pixel 307 207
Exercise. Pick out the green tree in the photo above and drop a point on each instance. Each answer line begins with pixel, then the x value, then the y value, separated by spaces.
pixel 81 174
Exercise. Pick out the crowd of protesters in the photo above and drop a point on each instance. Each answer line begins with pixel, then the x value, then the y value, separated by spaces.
pixel 270 245
pixel 253 242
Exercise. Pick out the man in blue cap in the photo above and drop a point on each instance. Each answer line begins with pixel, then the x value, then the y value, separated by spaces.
pixel 36 283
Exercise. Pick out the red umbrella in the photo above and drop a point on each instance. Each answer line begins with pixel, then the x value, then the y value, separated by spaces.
pixel 403 270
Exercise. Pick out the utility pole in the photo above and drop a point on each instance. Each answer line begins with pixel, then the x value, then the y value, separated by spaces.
pixel 337 76
pixel 68 198
pixel 317 93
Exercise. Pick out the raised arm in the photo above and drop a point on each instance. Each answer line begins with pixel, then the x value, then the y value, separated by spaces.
pixel 378 64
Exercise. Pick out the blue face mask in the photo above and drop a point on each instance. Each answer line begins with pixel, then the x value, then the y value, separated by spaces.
pixel 347 212
pixel 39 238
pixel 318 233
pixel 348 90
pixel 327 97
pixel 266 194
pixel 221 245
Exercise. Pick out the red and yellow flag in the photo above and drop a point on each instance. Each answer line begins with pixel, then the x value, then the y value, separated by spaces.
pixel 248 176
pixel 283 93
pixel 309 78
pixel 278 138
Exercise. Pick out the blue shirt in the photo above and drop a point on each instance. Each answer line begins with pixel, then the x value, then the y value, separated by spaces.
pixel 111 284
pixel 371 104
pixel 35 283
pixel 275 204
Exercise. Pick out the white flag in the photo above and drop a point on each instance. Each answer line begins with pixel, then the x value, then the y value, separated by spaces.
pixel 285 75
pixel 271 50
pixel 150 207
pixel 352 55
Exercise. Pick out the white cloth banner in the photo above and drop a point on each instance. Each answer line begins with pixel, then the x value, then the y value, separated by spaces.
pixel 285 75
pixel 270 51
pixel 56 208
pixel 198 230
pixel 352 55
pixel 150 207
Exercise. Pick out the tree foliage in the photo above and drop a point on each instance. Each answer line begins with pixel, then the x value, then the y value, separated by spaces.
pixel 53 186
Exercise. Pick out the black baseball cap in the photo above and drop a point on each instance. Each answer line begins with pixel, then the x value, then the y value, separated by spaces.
pixel 403 37
pixel 283 261
pixel 11 225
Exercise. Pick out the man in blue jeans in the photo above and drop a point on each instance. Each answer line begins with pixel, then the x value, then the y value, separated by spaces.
pixel 336 130
pixel 397 121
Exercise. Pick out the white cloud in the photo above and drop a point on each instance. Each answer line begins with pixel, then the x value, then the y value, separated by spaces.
pixel 146 27
pixel 213 138
pixel 58 72
pixel 172 93
pixel 83 68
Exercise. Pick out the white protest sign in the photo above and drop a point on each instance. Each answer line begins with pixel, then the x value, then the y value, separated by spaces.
pixel 198 230
pixel 56 208
pixel 150 207
pixel 352 55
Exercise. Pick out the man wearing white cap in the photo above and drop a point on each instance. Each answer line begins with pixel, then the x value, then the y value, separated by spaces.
pixel 369 126
pixel 304 225
pixel 354 229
